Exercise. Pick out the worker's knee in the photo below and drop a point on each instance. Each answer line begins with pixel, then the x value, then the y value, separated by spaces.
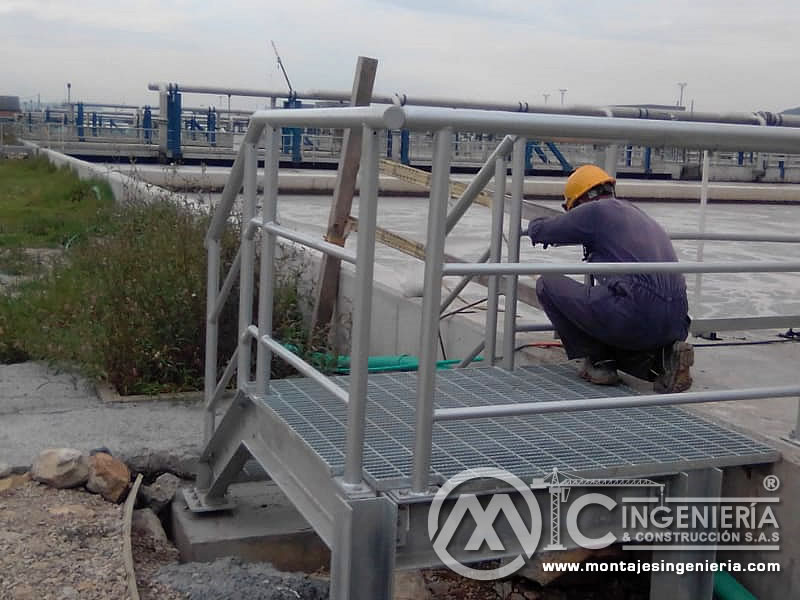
pixel 544 285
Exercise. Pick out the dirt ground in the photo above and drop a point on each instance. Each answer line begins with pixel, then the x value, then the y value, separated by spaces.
pixel 65 544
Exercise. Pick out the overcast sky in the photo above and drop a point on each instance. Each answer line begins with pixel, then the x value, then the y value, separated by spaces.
pixel 734 56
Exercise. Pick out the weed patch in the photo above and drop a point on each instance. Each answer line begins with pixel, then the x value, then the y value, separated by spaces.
pixel 45 206
pixel 129 306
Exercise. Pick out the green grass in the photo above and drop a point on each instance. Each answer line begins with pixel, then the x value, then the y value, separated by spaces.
pixel 128 306
pixel 42 206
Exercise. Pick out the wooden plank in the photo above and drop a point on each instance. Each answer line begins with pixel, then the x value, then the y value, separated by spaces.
pixel 127 550
pixel 328 282
pixel 530 210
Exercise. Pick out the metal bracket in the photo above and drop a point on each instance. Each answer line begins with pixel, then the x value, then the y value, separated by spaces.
pixel 197 501
pixel 354 491
pixel 403 524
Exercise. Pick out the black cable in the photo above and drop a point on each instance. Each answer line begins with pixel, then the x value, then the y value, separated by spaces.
pixel 441 344
pixel 463 308
pixel 759 343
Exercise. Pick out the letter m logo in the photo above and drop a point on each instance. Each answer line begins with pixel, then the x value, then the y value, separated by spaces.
pixel 484 524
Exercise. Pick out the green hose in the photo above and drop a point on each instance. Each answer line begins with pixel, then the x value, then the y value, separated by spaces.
pixel 385 364
pixel 727 588
pixel 375 364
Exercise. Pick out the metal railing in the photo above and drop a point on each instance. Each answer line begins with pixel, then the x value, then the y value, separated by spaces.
pixel 443 122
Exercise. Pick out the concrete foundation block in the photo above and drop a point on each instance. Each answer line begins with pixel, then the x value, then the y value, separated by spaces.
pixel 264 527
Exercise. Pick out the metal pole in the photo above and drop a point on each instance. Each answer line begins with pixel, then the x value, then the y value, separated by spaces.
pixel 266 284
pixel 753 266
pixel 514 220
pixel 461 285
pixel 795 434
pixel 362 307
pixel 247 274
pixel 210 376
pixel 478 182
pixel 701 227
pixel 495 256
pixel 429 327
pixel 612 151
pixel 553 406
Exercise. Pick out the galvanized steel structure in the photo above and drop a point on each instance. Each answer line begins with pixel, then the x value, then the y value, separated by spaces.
pixel 361 457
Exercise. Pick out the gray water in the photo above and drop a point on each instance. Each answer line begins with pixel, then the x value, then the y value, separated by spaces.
pixel 723 295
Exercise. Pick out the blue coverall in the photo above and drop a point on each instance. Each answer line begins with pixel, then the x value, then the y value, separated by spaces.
pixel 626 318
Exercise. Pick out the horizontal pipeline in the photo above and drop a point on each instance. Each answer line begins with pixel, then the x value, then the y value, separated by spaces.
pixel 635 112
pixel 534 408
pixel 618 268
pixel 560 128
pixel 736 237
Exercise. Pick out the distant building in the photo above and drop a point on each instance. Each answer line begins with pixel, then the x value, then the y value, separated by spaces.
pixel 9 108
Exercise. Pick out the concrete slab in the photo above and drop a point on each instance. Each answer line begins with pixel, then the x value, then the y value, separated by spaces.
pixel 264 526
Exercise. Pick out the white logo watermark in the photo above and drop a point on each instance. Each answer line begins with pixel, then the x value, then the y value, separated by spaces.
pixel 645 522
pixel 484 522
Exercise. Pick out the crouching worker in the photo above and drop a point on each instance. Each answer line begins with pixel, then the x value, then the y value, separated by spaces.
pixel 636 323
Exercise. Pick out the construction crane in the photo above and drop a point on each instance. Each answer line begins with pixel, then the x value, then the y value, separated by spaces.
pixel 283 70
pixel 559 486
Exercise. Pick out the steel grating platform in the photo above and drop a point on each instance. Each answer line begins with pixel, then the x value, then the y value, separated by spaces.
pixel 652 440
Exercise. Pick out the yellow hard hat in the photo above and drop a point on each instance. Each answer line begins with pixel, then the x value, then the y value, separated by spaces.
pixel 582 180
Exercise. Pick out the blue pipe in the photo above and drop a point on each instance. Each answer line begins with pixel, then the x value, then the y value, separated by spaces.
pixel 147 125
pixel 405 142
pixel 79 123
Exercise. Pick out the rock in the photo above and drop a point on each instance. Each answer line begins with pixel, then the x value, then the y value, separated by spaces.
pixel 531 595
pixel 61 468
pixel 410 585
pixel 146 523
pixel 160 493
pixel 440 588
pixel 100 450
pixel 108 477
pixel 5 470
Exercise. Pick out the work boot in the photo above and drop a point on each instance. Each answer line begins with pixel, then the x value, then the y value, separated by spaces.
pixel 676 362
pixel 600 372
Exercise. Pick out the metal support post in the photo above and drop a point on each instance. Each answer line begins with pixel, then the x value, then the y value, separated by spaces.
pixel 247 274
pixel 495 256
pixel 363 553
pixel 210 376
pixel 429 327
pixel 697 585
pixel 794 435
pixel 362 308
pixel 266 284
pixel 701 228
pixel 612 151
pixel 514 220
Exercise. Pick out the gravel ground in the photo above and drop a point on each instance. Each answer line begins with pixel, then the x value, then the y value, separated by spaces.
pixel 59 545
pixel 233 579
pixel 67 544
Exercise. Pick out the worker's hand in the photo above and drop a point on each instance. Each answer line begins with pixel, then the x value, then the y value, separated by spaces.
pixel 531 231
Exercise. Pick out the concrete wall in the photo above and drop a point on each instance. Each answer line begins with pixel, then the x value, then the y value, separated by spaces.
pixel 395 326
pixel 311 182
pixel 748 482
pixel 122 186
